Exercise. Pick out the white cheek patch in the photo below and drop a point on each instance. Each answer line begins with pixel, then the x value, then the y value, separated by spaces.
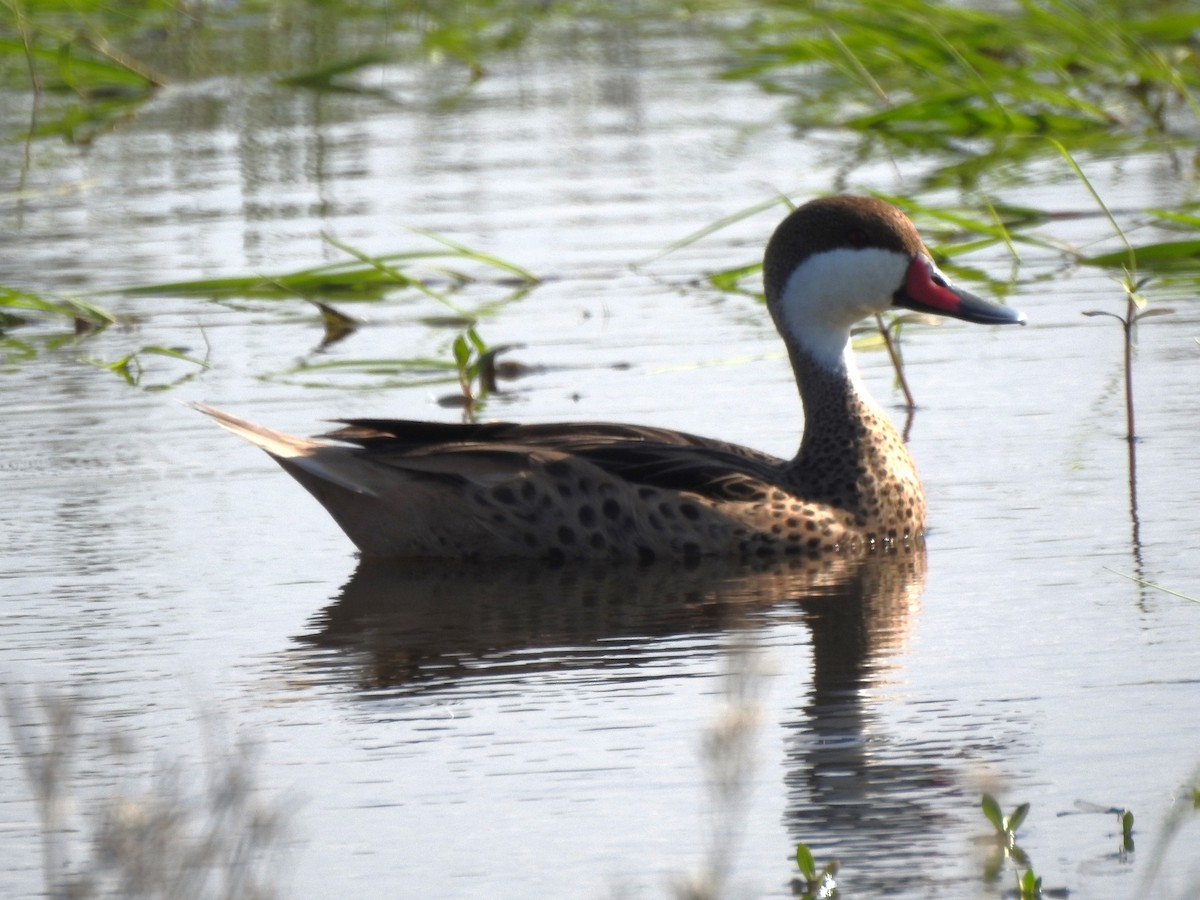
pixel 829 292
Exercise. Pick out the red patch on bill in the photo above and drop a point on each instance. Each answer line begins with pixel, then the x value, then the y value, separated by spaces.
pixel 920 286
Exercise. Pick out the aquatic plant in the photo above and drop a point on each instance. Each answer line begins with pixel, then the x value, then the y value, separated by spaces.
pixel 1135 301
pixel 20 307
pixel 1029 885
pixel 437 274
pixel 337 325
pixel 81 83
pixel 475 362
pixel 814 883
pixel 64 323
pixel 130 368
pixel 54 323
pixel 365 277
pixel 1006 826
pixel 1028 882
pixel 928 73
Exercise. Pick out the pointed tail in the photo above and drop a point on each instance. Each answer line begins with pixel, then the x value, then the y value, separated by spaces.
pixel 278 444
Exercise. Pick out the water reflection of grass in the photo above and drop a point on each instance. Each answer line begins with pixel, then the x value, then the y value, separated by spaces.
pixel 181 830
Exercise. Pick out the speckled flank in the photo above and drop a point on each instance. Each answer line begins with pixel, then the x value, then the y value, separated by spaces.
pixel 599 490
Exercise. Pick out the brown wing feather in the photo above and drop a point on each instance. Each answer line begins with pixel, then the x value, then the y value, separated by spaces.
pixel 656 457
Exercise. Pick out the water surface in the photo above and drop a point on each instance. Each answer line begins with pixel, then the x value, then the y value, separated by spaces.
pixel 525 731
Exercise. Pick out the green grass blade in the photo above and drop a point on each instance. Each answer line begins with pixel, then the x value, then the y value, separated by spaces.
pixel 1168 256
pixel 486 258
pixel 323 77
pixel 991 811
pixel 1131 255
pixel 1158 587
pixel 723 222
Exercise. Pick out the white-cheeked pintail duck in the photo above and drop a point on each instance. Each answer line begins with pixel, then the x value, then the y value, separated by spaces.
pixel 600 490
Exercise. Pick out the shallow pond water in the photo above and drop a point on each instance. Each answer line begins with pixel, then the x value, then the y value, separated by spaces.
pixel 527 731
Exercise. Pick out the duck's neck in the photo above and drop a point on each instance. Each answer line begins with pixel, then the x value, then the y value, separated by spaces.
pixel 851 456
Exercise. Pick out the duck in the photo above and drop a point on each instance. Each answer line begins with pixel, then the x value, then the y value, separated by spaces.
pixel 599 490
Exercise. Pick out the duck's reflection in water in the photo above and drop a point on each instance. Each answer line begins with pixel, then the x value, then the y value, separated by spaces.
pixel 853 790
pixel 398 627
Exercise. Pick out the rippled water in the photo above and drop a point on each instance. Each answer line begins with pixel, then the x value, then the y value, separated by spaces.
pixel 522 731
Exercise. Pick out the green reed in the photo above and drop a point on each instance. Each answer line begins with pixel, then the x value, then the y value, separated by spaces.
pixel 927 72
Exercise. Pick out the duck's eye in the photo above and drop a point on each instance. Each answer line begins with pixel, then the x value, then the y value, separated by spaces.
pixel 857 237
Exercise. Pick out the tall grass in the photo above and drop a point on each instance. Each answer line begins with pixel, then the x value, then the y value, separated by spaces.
pixel 174 830
pixel 929 72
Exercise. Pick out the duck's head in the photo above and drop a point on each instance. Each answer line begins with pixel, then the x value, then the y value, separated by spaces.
pixel 837 260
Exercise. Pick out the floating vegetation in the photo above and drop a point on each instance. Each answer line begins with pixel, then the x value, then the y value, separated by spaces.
pixel 62 322
pixel 345 281
pixel 928 73
pixel 22 307
pixel 470 361
pixel 65 323
pixel 1161 258
pixel 1028 883
pixel 130 369
pixel 81 83
pixel 1006 828
pixel 365 277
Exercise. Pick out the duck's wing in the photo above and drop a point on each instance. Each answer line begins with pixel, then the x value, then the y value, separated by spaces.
pixel 643 455
pixel 405 489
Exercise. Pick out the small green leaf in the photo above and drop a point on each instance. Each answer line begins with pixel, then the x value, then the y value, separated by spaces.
pixel 1029 885
pixel 730 280
pixel 804 859
pixel 462 352
pixel 1018 816
pixel 476 341
pixel 991 809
